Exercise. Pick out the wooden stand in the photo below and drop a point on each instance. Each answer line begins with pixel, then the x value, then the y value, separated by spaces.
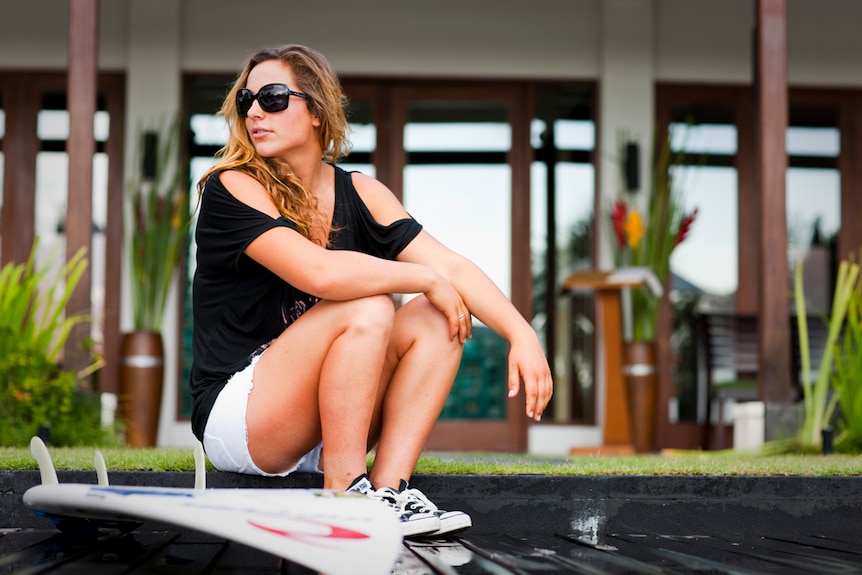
pixel 608 286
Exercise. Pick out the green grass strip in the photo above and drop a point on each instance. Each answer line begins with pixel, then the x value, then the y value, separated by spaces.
pixel 724 463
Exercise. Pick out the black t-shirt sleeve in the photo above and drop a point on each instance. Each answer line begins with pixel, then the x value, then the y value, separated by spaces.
pixel 226 226
pixel 356 229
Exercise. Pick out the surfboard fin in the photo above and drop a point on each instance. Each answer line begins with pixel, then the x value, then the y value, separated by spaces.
pixel 43 458
pixel 101 469
pixel 200 467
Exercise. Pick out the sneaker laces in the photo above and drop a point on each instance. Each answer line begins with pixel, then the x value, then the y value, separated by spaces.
pixel 417 502
pixel 392 498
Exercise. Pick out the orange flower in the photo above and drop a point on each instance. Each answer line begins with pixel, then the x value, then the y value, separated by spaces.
pixel 634 228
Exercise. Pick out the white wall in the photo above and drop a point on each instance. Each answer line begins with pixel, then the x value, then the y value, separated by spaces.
pixel 490 38
pixel 695 40
pixel 712 40
pixel 824 43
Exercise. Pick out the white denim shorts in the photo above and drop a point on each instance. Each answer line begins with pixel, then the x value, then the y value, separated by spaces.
pixel 226 433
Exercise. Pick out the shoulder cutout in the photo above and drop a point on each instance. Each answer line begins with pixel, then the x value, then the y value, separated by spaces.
pixel 379 199
pixel 249 191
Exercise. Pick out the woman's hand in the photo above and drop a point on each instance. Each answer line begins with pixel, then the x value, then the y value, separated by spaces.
pixel 447 299
pixel 527 363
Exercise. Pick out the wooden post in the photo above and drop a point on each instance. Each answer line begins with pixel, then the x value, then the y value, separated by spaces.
pixel 81 146
pixel 772 118
pixel 608 286
pixel 19 175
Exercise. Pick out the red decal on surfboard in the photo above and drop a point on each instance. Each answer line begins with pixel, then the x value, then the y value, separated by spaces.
pixel 335 532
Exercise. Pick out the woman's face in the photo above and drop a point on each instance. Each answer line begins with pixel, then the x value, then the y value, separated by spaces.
pixel 285 132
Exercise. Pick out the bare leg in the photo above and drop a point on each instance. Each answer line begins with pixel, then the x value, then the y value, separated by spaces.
pixel 420 368
pixel 319 380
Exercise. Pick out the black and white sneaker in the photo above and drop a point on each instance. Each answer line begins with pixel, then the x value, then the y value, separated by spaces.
pixel 450 521
pixel 413 524
pixel 361 485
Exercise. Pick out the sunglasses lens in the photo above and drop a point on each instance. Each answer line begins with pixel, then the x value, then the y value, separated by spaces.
pixel 273 98
pixel 244 100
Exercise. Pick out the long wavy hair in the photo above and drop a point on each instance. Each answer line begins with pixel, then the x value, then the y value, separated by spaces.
pixel 314 76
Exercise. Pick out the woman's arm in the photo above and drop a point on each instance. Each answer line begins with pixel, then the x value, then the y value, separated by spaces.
pixel 527 361
pixel 337 274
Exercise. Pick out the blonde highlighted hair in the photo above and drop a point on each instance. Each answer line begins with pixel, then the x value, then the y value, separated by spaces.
pixel 326 100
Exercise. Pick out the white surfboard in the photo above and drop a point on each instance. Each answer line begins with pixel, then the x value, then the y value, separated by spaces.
pixel 329 531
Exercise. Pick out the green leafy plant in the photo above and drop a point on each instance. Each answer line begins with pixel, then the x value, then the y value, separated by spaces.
pixel 32 319
pixel 847 379
pixel 34 389
pixel 159 214
pixel 818 404
pixel 648 240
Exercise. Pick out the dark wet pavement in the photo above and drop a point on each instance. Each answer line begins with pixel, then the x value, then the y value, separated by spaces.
pixel 31 551
pixel 521 525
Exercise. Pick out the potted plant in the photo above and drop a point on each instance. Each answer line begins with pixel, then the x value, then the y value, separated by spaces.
pixel 647 241
pixel 157 235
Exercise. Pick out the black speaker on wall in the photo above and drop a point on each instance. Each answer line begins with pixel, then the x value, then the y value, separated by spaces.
pixel 148 162
pixel 632 166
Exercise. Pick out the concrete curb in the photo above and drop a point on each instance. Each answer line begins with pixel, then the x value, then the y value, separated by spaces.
pixel 587 507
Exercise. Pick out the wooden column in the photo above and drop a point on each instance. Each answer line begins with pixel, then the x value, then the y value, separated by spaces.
pixel 81 146
pixel 520 114
pixel 850 166
pixel 19 175
pixel 772 118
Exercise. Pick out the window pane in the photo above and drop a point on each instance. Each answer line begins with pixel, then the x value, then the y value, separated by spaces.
pixel 363 137
pixel 813 201
pixel 703 138
pixel 813 141
pixel 457 184
pixel 707 259
pixel 209 130
pixel 813 223
pixel 562 191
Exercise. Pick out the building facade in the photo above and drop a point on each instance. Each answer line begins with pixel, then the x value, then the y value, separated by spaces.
pixel 522 108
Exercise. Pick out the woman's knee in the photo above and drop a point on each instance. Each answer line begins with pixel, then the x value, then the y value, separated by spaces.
pixel 420 319
pixel 373 314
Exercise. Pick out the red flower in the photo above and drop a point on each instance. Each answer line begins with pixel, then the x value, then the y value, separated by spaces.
pixel 618 219
pixel 684 228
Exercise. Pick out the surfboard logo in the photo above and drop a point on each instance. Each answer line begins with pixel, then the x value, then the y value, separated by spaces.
pixel 325 533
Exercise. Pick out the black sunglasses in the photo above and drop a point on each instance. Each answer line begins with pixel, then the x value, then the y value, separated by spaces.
pixel 272 98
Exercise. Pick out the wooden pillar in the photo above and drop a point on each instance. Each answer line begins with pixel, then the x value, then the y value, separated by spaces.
pixel 81 146
pixel 772 117
pixel 19 176
pixel 850 166
pixel 520 114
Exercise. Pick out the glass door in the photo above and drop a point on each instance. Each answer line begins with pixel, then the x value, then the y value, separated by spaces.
pixel 709 131
pixel 457 179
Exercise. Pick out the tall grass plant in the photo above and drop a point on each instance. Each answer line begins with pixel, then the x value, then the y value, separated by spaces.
pixel 818 403
pixel 848 376
pixel 159 222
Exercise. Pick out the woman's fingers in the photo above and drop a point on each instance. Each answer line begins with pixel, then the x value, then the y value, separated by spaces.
pixel 536 377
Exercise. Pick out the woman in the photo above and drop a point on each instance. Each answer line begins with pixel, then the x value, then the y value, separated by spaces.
pixel 297 343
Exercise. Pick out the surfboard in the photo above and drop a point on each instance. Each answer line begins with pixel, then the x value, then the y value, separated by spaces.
pixel 333 532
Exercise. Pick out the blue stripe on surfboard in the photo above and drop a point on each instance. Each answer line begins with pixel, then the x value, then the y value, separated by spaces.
pixel 125 491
